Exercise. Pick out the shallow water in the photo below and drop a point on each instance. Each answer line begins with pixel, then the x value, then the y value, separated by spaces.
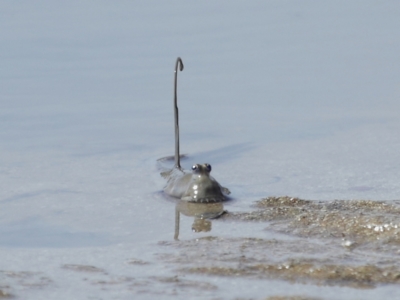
pixel 280 98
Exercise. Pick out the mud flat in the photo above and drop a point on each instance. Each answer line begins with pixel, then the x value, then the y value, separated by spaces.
pixel 343 243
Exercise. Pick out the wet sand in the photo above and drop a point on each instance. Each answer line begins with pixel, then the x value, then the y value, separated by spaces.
pixel 352 243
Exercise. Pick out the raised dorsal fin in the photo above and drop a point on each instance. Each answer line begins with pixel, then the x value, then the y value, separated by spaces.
pixel 176 113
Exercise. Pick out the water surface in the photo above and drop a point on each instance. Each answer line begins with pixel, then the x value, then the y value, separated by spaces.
pixel 280 98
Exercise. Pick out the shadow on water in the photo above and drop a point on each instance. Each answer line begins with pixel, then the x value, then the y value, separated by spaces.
pixel 223 154
pixel 220 155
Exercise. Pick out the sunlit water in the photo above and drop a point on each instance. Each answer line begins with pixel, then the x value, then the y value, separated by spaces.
pixel 282 98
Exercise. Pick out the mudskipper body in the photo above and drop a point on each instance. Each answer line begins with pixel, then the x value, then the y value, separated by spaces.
pixel 198 185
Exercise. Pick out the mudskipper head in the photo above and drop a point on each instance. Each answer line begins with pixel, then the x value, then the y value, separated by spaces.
pixel 202 187
pixel 201 169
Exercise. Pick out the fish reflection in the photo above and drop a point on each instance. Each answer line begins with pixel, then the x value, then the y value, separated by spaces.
pixel 203 213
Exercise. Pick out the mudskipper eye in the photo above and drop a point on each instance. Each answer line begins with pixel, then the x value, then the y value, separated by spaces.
pixel 208 167
pixel 194 168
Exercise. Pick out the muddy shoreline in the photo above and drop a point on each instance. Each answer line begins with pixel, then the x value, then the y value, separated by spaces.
pixel 351 243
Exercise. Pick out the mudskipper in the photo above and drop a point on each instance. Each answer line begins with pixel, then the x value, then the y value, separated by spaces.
pixel 196 186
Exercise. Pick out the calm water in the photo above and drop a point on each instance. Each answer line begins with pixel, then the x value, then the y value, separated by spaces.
pixel 281 98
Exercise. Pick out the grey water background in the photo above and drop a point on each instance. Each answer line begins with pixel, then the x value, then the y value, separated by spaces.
pixel 281 97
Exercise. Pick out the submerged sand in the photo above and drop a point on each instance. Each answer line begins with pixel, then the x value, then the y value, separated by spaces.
pixel 353 243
